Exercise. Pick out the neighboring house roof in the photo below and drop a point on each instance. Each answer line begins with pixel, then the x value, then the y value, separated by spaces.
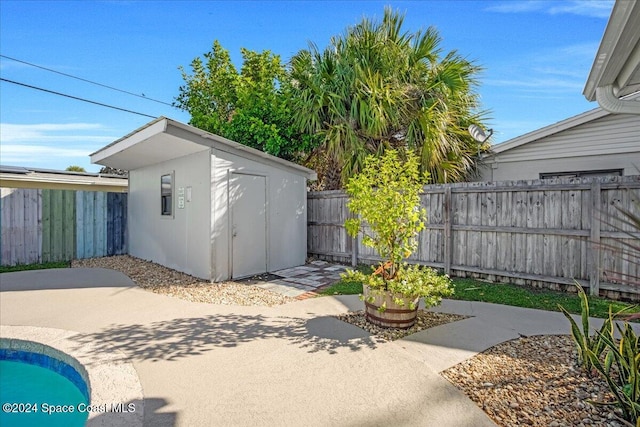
pixel 555 128
pixel 21 177
pixel 164 139
pixel 616 69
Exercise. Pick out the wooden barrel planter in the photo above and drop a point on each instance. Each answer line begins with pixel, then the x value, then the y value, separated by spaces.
pixel 395 315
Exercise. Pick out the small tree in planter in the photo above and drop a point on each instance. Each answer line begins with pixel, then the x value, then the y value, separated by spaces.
pixel 385 197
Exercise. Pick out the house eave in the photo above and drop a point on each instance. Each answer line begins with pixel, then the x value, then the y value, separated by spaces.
pixel 546 131
pixel 617 62
pixel 563 125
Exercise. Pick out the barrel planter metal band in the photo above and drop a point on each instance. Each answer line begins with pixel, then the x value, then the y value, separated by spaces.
pixel 391 318
pixel 393 315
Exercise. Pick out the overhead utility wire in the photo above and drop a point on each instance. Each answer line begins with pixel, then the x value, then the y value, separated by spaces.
pixel 74 97
pixel 85 80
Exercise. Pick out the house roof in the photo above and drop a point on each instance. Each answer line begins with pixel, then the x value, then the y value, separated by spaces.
pixel 617 62
pixel 164 139
pixel 571 122
pixel 22 177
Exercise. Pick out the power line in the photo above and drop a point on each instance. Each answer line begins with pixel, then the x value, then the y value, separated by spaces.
pixel 86 80
pixel 75 97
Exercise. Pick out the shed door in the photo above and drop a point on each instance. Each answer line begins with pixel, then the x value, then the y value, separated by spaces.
pixel 249 225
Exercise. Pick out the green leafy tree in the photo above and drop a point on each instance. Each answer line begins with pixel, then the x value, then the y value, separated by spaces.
pixel 385 199
pixel 377 87
pixel 250 106
pixel 74 168
pixel 108 170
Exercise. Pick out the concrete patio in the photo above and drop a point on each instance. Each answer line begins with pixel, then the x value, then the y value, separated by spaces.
pixel 295 364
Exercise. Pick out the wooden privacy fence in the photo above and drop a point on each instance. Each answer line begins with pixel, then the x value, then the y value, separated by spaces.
pixel 544 232
pixel 60 225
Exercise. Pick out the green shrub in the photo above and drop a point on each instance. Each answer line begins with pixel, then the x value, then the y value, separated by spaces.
pixel 586 344
pixel 385 198
pixel 616 360
pixel 624 380
pixel 411 281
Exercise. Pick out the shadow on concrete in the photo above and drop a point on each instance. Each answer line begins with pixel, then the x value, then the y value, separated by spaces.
pixel 184 337
pixel 63 278
pixel 153 414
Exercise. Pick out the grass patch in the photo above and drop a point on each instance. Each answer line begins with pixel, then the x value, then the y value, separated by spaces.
pixel 26 267
pixel 507 294
pixel 521 296
pixel 343 288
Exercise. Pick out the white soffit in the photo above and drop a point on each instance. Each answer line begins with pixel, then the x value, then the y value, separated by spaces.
pixel 617 62
pixel 146 146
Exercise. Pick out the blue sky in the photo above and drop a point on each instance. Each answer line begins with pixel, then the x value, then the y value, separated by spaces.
pixel 536 55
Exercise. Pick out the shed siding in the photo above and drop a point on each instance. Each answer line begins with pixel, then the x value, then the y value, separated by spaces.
pixel 286 213
pixel 610 142
pixel 181 242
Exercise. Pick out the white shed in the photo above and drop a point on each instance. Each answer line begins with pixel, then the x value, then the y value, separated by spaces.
pixel 594 143
pixel 208 206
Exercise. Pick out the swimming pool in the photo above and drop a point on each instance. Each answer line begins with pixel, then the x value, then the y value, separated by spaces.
pixel 36 390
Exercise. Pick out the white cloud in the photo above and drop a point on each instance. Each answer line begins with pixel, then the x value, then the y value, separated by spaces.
pixel 591 8
pixel 558 70
pixel 517 6
pixel 51 145
pixel 52 132
pixel 12 154
pixel 580 50
pixel 537 83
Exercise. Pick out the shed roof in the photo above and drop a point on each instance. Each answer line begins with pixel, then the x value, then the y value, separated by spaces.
pixel 164 139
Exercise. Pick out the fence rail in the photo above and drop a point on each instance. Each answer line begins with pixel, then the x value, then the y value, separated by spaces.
pixel 60 225
pixel 549 232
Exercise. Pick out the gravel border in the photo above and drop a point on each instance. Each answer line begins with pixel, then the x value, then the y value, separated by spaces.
pixel 534 381
pixel 162 280
pixel 425 320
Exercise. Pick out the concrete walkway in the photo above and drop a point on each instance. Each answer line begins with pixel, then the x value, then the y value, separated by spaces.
pixel 295 364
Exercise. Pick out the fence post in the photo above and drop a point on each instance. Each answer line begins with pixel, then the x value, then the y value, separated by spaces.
pixel 447 235
pixel 594 246
pixel 354 250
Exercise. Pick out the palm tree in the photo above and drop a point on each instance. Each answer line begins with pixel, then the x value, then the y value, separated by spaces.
pixel 376 87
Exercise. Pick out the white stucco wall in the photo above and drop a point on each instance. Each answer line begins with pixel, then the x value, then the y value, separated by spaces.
pixel 286 213
pixel 181 242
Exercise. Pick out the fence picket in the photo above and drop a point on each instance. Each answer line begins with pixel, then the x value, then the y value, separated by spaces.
pixel 59 225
